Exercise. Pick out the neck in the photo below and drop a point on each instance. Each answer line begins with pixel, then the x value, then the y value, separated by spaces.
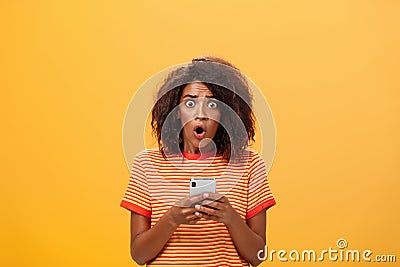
pixel 199 150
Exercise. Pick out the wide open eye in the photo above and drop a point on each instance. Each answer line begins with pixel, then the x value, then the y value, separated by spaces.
pixel 212 104
pixel 190 103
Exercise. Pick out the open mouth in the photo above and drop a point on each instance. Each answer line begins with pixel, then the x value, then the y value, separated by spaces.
pixel 199 132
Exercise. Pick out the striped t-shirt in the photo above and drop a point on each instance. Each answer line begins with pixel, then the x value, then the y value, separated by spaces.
pixel 156 184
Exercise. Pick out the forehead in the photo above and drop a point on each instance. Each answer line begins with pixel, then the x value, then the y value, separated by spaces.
pixel 196 88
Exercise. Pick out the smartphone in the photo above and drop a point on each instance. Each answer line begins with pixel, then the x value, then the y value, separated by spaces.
pixel 202 185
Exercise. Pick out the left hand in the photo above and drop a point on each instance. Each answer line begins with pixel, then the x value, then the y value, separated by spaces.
pixel 215 207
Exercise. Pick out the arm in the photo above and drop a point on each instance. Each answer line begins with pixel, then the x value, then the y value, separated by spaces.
pixel 248 238
pixel 147 241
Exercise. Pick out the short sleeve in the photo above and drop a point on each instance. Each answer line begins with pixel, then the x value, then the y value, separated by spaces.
pixel 259 195
pixel 137 198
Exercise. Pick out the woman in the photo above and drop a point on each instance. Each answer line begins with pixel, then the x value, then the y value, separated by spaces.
pixel 203 122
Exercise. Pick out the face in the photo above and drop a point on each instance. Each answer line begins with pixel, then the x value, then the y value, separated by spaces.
pixel 199 113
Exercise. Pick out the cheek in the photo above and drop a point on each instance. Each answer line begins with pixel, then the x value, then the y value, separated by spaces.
pixel 186 115
pixel 214 114
pixel 213 126
pixel 187 129
pixel 215 118
pixel 185 121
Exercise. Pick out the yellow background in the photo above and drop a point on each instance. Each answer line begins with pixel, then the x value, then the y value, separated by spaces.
pixel 329 70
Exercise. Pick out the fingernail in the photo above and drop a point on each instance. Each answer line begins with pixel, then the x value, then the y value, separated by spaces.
pixel 206 195
pixel 197 213
pixel 197 207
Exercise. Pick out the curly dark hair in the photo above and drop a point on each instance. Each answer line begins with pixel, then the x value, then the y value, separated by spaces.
pixel 228 85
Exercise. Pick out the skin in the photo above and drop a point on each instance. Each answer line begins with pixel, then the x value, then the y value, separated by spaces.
pixel 198 108
pixel 248 236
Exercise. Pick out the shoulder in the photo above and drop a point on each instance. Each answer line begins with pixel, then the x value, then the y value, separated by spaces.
pixel 255 162
pixel 155 155
pixel 148 155
pixel 151 152
pixel 253 156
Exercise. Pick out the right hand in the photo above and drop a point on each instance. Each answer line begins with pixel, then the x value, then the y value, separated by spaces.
pixel 183 212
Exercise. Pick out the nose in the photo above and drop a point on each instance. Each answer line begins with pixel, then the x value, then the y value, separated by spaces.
pixel 201 111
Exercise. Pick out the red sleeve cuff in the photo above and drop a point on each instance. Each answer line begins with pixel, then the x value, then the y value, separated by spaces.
pixel 263 205
pixel 135 208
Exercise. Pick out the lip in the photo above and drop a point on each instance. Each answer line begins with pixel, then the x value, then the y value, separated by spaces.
pixel 197 135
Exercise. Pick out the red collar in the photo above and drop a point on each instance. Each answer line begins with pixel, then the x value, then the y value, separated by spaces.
pixel 192 156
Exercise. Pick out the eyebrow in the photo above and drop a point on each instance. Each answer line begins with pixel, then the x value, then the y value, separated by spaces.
pixel 195 96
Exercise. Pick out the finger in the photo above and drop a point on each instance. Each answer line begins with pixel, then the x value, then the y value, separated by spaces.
pixel 184 202
pixel 189 201
pixel 208 201
pixel 196 199
pixel 193 219
pixel 188 211
pixel 207 210
pixel 206 216
pixel 216 197
pixel 211 203
pixel 212 207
